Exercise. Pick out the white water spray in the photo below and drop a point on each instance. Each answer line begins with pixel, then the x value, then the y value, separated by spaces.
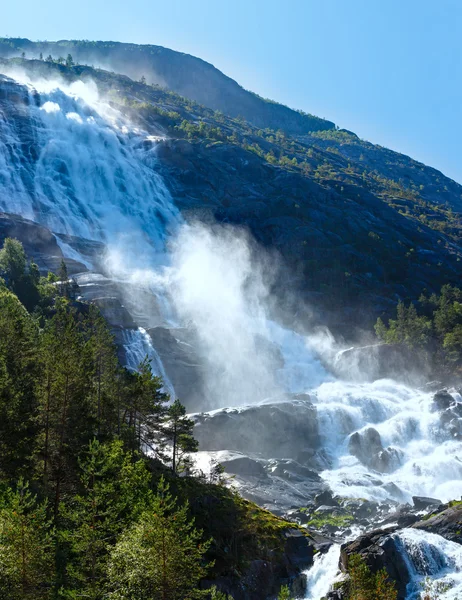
pixel 321 576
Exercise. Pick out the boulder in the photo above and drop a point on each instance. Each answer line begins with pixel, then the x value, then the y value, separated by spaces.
pixel 243 465
pixel 325 498
pixel 272 429
pixel 379 550
pixel 447 523
pixel 422 502
pixel 442 400
pixel 367 447
pixel 377 361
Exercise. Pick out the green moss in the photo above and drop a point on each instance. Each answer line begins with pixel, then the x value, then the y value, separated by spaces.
pixel 329 519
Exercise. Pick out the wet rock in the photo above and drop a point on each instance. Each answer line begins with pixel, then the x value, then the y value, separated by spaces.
pixel 407 519
pixel 447 523
pixel 377 361
pixel 421 502
pixel 442 400
pixel 114 312
pixel 272 430
pixel 292 471
pixel 177 348
pixel 379 550
pixel 365 444
pixel 395 492
pixel 39 243
pixel 325 498
pixel 368 449
pixel 387 460
pixel 243 465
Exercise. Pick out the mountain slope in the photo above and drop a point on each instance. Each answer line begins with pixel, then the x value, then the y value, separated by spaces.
pixel 182 73
pixel 357 225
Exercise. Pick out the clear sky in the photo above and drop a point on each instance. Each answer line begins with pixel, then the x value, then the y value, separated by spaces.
pixel 390 70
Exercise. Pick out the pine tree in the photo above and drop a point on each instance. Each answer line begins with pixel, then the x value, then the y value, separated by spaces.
pixel 26 547
pixel 178 430
pixel 114 491
pixel 102 364
pixel 65 400
pixel 18 374
pixel 145 409
pixel 159 558
pixel 284 593
pixel 63 277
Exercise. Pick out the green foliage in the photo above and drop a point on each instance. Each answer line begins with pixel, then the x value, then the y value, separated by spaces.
pixel 364 585
pixel 75 424
pixel 160 557
pixel 20 277
pixel 284 593
pixel 26 546
pixel 434 330
pixel 114 490
pixel 178 430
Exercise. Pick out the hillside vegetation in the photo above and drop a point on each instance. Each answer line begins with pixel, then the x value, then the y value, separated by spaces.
pixel 91 502
pixel 358 225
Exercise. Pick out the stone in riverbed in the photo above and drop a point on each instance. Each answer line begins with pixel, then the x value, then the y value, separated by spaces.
pixel 422 502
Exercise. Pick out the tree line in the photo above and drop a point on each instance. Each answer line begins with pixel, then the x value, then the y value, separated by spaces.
pixel 87 450
pixel 432 328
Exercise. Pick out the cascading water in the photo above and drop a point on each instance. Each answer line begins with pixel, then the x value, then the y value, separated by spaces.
pixel 71 163
pixel 322 574
pixel 138 346
pixel 84 172
pixel 434 565
pixel 428 458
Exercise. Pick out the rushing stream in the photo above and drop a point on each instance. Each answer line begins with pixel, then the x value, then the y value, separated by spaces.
pixel 71 163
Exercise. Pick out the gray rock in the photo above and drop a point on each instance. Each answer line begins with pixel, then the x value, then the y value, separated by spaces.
pixel 273 429
pixel 421 502
pixel 243 465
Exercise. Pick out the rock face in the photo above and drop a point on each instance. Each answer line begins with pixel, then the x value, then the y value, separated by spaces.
pixel 39 243
pixel 378 361
pixel 273 430
pixel 263 578
pixel 379 550
pixel 368 449
pixel 447 523
pixel 176 348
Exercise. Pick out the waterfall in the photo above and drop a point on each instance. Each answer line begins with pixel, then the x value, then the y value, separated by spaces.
pixel 434 564
pixel 138 346
pixel 321 576
pixel 83 171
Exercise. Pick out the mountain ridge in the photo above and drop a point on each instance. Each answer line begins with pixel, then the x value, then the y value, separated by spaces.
pixel 183 73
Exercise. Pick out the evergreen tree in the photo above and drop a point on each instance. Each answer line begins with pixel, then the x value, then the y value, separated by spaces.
pixel 159 558
pixel 284 593
pixel 178 430
pixel 102 365
pixel 364 585
pixel 69 61
pixel 65 416
pixel 145 410
pixel 63 277
pixel 26 547
pixel 114 491
pixel 18 375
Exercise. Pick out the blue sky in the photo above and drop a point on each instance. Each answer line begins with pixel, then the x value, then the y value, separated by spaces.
pixel 390 70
